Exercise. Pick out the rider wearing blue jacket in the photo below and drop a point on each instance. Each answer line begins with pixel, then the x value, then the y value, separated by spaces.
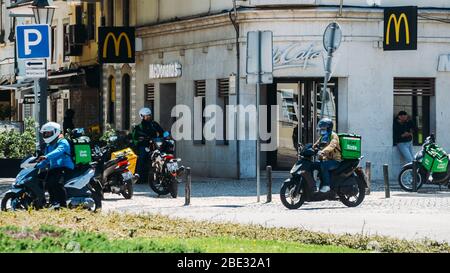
pixel 59 160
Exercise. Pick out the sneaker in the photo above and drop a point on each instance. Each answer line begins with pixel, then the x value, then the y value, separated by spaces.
pixel 325 189
pixel 55 207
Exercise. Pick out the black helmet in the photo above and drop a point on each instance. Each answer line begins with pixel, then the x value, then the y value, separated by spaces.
pixel 325 123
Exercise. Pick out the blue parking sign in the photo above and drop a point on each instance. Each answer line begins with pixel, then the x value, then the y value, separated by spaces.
pixel 33 41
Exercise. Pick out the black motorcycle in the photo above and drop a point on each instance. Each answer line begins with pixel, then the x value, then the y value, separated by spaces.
pixel 28 190
pixel 165 170
pixel 114 174
pixel 348 182
pixel 424 176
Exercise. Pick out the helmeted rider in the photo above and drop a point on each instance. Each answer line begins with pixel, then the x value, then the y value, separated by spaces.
pixel 142 133
pixel 330 152
pixel 59 160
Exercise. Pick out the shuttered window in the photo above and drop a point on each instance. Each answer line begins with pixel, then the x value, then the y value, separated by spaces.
pixel 200 88
pixel 413 95
pixel 150 95
pixel 200 91
pixel 223 87
pixel 223 92
pixel 414 87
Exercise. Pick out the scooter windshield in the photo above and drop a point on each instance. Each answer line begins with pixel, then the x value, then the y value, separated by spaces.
pixel 25 173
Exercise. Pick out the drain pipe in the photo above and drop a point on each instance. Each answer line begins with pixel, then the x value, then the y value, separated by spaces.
pixel 233 18
pixel 340 8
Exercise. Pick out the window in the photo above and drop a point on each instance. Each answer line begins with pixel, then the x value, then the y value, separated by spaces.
pixel 54 45
pixel 78 15
pixel 126 13
pixel 200 92
pixel 413 95
pixel 66 42
pixel 112 100
pixel 126 102
pixel 3 19
pixel 223 100
pixel 150 95
pixel 91 22
pixel 111 13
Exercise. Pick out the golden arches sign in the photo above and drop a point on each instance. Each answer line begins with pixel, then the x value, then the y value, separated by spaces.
pixel 116 44
pixel 397 25
pixel 117 41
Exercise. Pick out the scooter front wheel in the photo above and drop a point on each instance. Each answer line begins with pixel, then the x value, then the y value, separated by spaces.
pixel 289 198
pixel 11 202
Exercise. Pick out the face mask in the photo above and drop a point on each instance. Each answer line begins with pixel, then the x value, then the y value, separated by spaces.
pixel 323 132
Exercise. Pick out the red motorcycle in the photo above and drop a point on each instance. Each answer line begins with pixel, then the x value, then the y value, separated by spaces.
pixel 165 169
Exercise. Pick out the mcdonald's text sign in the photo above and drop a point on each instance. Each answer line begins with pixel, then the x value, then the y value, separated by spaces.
pixel 116 45
pixel 400 28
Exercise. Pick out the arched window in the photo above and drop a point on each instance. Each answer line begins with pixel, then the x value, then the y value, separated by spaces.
pixel 111 100
pixel 126 102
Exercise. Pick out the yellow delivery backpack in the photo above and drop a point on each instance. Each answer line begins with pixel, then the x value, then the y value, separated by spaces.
pixel 131 156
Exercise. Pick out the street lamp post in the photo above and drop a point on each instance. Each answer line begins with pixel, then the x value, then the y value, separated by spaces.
pixel 43 14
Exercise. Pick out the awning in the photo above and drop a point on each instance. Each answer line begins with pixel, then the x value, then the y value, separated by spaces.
pixel 65 79
pixel 21 8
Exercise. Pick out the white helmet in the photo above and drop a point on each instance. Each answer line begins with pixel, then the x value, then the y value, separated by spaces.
pixel 50 131
pixel 145 112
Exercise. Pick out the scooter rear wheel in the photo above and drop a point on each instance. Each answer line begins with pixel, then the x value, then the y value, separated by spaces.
pixel 128 192
pixel 288 199
pixel 354 200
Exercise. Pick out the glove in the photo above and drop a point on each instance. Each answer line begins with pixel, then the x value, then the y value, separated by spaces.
pixel 41 165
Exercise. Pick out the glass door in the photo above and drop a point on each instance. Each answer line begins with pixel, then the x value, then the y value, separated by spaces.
pixel 300 101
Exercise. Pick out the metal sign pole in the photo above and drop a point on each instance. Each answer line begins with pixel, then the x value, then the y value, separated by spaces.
pixel 258 147
pixel 36 112
pixel 331 40
pixel 327 73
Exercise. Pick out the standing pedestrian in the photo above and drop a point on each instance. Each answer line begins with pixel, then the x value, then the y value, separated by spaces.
pixel 403 135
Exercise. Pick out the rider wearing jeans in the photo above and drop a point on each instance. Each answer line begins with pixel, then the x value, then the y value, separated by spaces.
pixel 330 152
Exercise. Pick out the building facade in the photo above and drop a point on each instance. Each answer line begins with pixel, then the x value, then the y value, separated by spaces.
pixel 196 41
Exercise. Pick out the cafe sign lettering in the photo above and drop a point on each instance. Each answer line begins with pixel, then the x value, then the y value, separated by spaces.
pixel 295 55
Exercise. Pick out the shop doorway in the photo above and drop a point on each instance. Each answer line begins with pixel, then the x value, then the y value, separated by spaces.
pixel 298 99
pixel 168 100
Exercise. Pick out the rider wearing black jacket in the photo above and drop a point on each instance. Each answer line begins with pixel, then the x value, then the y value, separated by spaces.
pixel 142 133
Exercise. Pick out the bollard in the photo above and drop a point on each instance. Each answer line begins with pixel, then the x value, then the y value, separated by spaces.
pixel 269 184
pixel 414 170
pixel 187 189
pixel 369 177
pixel 387 188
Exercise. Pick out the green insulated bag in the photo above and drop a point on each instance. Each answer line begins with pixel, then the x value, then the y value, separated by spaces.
pixel 82 149
pixel 350 146
pixel 435 159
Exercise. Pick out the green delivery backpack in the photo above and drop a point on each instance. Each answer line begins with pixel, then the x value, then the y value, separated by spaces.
pixel 81 150
pixel 350 146
pixel 435 159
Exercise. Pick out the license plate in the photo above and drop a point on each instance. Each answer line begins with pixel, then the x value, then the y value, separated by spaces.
pixel 127 176
pixel 172 167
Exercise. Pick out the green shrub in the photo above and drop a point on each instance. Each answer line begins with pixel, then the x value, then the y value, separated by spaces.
pixel 18 145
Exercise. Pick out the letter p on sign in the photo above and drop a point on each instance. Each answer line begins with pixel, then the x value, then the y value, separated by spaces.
pixel 33 41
